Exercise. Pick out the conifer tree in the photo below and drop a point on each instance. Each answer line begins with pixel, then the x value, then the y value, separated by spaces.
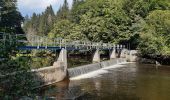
pixel 40 24
pixel 10 16
pixel 63 12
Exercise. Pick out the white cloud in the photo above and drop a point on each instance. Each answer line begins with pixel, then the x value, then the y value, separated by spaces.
pixel 30 6
pixel 39 4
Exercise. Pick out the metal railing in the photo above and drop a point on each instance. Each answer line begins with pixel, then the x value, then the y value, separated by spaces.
pixel 43 41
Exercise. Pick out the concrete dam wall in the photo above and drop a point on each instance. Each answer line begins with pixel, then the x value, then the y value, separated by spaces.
pixel 73 72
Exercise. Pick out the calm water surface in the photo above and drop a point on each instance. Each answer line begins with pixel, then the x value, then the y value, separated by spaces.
pixel 131 82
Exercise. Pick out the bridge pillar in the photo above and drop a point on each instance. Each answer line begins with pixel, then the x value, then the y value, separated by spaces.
pixel 113 54
pixel 62 59
pixel 96 56
pixel 61 64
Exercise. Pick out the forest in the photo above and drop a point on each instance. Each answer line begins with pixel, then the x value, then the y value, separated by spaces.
pixel 144 24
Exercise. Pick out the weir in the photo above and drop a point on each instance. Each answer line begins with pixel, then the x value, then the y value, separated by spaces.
pixel 73 72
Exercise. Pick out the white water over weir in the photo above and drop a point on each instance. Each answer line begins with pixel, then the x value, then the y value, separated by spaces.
pixel 74 72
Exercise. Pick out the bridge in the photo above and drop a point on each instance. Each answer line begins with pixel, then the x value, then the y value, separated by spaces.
pixel 58 71
pixel 43 42
pixel 31 42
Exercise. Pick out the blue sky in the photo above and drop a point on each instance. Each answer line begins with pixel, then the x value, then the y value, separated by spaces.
pixel 27 7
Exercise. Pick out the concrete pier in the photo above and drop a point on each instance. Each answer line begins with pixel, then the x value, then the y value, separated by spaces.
pixel 62 60
pixel 96 56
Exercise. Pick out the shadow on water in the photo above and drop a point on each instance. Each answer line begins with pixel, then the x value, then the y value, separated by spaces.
pixel 60 91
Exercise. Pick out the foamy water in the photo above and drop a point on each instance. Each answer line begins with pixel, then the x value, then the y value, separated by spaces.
pixel 99 72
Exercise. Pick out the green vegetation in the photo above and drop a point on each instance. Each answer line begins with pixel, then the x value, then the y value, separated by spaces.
pixel 10 23
pixel 40 24
pixel 12 86
pixel 155 36
pixel 144 24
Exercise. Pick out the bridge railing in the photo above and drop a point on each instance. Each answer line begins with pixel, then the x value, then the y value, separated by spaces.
pixel 43 41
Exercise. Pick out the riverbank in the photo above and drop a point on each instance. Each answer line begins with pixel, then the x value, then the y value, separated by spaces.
pixel 155 59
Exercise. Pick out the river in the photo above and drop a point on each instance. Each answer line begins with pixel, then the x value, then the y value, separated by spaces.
pixel 130 81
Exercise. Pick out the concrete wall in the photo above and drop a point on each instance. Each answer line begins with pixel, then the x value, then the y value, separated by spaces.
pixel 33 79
pixel 49 75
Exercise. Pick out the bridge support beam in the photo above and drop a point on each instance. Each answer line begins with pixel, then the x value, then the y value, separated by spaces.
pixel 61 65
pixel 113 54
pixel 96 56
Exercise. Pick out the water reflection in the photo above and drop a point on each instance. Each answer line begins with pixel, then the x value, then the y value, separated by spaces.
pixel 132 82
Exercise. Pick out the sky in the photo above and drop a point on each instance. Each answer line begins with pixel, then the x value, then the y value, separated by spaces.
pixel 28 7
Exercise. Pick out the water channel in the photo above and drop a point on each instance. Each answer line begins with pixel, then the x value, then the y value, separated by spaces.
pixel 130 81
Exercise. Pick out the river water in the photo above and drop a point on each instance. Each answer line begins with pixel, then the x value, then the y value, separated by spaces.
pixel 126 82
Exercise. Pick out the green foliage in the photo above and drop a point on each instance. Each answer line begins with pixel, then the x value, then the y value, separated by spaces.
pixel 41 59
pixel 63 12
pixel 144 7
pixel 61 29
pixel 95 21
pixel 155 37
pixel 10 18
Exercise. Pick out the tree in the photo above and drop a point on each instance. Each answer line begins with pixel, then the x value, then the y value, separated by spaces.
pixel 155 37
pixel 40 24
pixel 61 29
pixel 11 19
pixel 102 21
pixel 10 24
pixel 63 12
pixel 144 7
